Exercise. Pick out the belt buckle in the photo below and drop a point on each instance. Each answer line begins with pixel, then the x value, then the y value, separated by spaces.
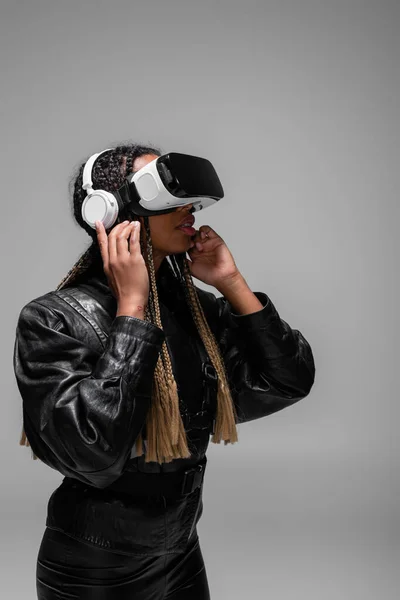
pixel 209 372
pixel 192 479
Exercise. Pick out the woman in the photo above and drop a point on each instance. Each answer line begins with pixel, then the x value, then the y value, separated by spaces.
pixel 124 371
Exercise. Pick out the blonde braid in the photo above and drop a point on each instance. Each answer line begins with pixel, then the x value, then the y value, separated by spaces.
pixel 166 437
pixel 225 425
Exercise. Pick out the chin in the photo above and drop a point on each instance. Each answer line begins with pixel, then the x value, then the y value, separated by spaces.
pixel 181 245
pixel 177 245
pixel 179 248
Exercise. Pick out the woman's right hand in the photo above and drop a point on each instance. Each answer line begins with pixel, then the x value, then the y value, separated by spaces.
pixel 124 266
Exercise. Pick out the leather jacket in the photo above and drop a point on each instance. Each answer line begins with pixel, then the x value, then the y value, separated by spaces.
pixel 85 377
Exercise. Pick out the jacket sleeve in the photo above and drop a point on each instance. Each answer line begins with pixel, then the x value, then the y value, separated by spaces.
pixel 84 409
pixel 269 365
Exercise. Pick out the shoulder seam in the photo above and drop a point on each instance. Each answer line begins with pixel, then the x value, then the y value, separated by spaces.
pixel 59 322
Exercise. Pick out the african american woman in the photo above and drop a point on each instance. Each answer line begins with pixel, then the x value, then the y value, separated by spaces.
pixel 125 371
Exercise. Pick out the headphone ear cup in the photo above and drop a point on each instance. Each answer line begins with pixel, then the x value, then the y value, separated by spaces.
pixel 100 205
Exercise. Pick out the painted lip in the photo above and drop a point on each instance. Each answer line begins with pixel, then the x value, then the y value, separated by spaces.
pixel 188 219
pixel 188 230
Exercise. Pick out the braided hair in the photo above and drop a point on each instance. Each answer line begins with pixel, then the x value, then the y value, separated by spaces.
pixel 166 436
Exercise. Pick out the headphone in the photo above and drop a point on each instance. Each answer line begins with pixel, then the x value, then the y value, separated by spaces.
pixel 99 205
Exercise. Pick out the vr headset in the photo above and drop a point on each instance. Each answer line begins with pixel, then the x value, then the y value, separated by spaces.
pixel 169 181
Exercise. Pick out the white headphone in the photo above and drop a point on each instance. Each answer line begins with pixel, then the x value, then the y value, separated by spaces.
pixel 99 205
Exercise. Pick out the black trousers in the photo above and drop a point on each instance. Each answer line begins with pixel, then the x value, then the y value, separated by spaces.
pixel 70 568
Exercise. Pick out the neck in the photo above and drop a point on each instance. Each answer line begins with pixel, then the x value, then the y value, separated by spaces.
pixel 158 257
pixel 158 260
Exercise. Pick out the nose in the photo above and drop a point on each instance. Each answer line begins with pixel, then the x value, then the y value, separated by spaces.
pixel 187 206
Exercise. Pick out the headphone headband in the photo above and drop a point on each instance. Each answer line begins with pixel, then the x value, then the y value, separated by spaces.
pixel 87 171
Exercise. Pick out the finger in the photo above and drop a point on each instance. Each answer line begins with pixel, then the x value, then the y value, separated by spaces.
pixel 102 240
pixel 205 232
pixel 112 241
pixel 197 236
pixel 201 239
pixel 122 239
pixel 134 237
pixel 197 248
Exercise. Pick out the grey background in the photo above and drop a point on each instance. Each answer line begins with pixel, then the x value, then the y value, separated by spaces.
pixel 296 105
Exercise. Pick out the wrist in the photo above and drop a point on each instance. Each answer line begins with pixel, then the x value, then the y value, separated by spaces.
pixel 242 299
pixel 131 309
pixel 234 284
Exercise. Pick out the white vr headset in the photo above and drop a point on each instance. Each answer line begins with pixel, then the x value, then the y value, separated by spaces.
pixel 169 181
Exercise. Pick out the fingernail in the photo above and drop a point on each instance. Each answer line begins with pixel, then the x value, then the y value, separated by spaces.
pixel 202 235
pixel 198 245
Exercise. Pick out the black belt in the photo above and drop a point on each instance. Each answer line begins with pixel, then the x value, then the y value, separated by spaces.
pixel 170 484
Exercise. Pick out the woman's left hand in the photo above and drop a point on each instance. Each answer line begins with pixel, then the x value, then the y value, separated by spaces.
pixel 210 259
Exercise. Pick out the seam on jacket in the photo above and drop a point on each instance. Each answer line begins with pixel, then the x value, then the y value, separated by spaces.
pixel 77 306
pixel 59 322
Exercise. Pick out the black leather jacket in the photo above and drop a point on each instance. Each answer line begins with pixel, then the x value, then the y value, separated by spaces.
pixel 85 377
